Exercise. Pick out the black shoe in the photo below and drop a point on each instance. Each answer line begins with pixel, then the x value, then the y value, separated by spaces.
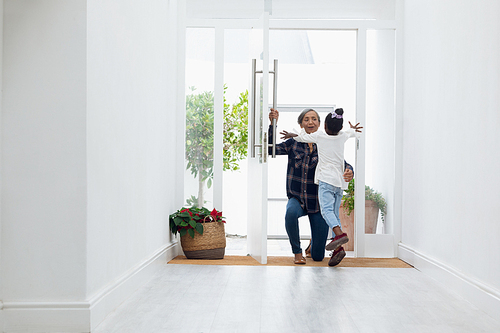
pixel 337 257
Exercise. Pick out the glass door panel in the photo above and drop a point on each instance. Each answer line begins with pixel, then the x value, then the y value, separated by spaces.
pixel 237 78
pixel 380 133
pixel 200 60
pixel 317 68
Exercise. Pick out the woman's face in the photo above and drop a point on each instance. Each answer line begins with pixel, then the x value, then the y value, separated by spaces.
pixel 310 123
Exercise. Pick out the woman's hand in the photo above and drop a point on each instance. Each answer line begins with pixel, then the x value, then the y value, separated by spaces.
pixel 356 127
pixel 273 114
pixel 287 135
pixel 348 175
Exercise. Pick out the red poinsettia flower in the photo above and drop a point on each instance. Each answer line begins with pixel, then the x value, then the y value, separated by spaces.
pixel 187 210
pixel 215 215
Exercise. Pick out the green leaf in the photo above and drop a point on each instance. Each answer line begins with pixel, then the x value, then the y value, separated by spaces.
pixel 199 228
pixel 182 232
pixel 200 133
pixel 191 232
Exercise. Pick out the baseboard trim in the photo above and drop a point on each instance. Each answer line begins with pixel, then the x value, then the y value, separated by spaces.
pixel 46 317
pixel 108 299
pixel 1 317
pixel 81 316
pixel 486 298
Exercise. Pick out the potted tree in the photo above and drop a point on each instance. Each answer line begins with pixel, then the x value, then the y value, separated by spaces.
pixel 200 137
pixel 202 232
pixel 374 202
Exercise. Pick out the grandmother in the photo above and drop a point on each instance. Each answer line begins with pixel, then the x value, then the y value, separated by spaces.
pixel 301 191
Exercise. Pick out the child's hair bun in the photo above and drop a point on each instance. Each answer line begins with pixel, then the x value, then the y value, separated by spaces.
pixel 339 111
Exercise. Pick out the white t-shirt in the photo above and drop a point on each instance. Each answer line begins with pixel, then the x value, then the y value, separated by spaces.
pixel 330 167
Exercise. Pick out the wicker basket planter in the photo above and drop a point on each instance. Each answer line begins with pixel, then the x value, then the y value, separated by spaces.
pixel 210 245
pixel 202 232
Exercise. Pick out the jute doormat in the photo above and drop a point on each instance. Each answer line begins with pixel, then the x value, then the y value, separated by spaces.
pixel 288 261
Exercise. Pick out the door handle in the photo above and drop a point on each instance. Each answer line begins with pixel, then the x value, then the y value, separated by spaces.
pixel 253 113
pixel 252 109
pixel 265 152
pixel 275 103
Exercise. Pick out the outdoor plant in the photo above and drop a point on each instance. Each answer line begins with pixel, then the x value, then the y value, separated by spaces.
pixel 370 194
pixel 187 220
pixel 200 136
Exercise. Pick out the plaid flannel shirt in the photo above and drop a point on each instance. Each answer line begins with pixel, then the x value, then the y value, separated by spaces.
pixel 302 164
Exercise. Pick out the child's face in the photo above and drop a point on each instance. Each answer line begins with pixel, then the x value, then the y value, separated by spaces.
pixel 310 123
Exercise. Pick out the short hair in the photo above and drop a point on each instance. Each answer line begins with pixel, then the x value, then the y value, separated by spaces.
pixel 303 113
pixel 333 123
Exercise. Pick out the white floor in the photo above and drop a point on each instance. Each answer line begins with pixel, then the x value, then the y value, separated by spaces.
pixel 193 298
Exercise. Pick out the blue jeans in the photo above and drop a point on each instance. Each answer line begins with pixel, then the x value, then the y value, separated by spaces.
pixel 319 229
pixel 330 198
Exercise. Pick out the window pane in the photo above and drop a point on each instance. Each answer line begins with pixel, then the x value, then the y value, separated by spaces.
pixel 379 128
pixel 199 116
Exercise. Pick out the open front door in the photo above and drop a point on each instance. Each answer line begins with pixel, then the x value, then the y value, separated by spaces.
pixel 350 63
pixel 258 144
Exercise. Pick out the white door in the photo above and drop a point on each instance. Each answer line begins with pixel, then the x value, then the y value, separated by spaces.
pixel 258 143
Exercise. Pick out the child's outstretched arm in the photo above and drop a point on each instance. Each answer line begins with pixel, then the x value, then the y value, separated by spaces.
pixel 287 135
pixel 356 127
pixel 305 137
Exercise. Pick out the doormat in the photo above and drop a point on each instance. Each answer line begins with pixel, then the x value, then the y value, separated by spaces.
pixel 288 261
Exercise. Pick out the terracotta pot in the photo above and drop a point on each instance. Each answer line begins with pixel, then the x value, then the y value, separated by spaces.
pixel 347 222
pixel 371 217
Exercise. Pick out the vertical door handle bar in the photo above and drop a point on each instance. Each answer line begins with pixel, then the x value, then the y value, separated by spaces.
pixel 264 151
pixel 275 104
pixel 252 110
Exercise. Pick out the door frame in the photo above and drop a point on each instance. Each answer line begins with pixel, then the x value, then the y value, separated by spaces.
pixel 361 27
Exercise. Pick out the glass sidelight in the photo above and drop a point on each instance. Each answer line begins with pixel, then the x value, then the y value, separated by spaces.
pixel 380 141
pixel 199 167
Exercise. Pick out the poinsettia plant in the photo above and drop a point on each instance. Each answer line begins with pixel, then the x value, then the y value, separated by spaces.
pixel 187 220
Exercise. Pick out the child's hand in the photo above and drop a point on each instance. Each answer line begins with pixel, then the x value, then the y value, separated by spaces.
pixel 287 135
pixel 356 127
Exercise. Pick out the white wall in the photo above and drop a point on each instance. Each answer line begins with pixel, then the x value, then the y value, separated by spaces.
pixel 44 151
pixel 1 80
pixel 451 138
pixel 90 153
pixel 135 144
pixel 131 136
